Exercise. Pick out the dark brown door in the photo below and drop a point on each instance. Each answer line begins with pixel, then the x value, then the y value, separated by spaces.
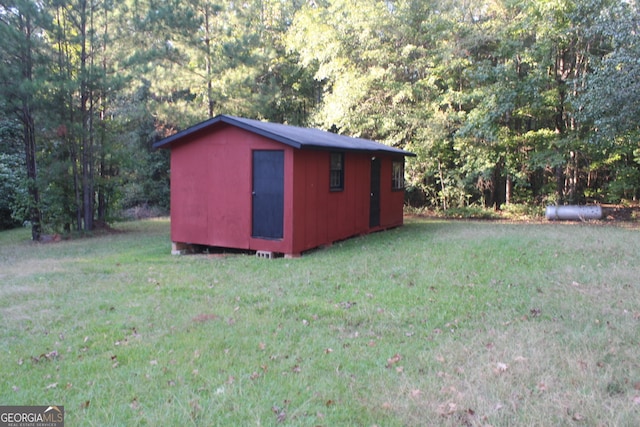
pixel 268 194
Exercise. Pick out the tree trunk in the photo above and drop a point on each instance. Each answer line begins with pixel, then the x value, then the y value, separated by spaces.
pixel 508 190
pixel 105 171
pixel 208 60
pixel 29 136
pixel 444 195
pixel 85 117
pixel 30 157
pixel 559 173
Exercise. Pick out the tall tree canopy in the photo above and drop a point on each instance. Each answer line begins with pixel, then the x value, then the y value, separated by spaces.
pixel 504 101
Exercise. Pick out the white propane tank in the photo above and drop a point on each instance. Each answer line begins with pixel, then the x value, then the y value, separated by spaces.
pixel 573 212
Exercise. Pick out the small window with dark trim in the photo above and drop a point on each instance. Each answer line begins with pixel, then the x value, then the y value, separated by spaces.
pixel 397 176
pixel 336 178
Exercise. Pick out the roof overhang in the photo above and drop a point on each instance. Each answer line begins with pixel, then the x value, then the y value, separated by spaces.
pixel 293 136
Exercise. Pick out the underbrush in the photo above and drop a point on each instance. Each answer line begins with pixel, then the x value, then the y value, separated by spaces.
pixel 516 212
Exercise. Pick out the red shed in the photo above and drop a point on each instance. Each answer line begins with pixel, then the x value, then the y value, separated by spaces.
pixel 247 184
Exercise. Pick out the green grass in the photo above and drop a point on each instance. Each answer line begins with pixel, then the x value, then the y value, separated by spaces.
pixel 456 323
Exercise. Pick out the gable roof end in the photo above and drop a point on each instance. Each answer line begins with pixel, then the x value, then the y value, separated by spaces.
pixel 292 136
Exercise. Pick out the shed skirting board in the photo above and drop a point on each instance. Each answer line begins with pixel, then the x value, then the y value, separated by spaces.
pixel 262 251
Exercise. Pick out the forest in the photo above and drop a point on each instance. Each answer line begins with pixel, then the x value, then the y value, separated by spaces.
pixel 505 102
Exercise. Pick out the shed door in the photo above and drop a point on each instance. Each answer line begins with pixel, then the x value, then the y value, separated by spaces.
pixel 374 209
pixel 268 194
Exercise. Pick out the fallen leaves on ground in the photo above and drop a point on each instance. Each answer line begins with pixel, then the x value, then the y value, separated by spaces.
pixel 347 304
pixel 501 368
pixel 135 405
pixel 577 416
pixel 205 317
pixel 393 360
pixel 125 341
pixel 281 413
pixel 463 417
pixel 49 356
pixel 195 407
pixel 447 409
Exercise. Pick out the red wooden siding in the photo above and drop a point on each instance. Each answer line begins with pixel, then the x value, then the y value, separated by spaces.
pixel 322 216
pixel 211 201
pixel 211 190
pixel 392 201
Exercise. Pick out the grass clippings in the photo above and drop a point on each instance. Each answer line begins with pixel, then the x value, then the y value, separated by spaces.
pixel 434 323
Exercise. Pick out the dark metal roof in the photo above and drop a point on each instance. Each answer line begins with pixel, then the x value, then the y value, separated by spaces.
pixel 293 136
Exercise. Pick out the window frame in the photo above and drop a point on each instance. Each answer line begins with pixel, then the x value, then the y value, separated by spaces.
pixel 336 171
pixel 397 175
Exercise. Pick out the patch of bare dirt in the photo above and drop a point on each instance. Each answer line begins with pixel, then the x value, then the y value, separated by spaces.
pixel 50 238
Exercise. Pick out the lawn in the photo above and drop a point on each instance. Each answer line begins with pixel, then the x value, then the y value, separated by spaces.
pixel 454 323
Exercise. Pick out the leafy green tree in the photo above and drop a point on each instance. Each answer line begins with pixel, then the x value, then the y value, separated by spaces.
pixel 21 29
pixel 503 100
pixel 82 142
pixel 12 172
pixel 483 91
pixel 609 104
